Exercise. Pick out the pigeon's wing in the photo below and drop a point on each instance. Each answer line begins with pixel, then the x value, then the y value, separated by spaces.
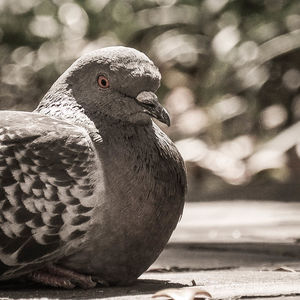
pixel 48 171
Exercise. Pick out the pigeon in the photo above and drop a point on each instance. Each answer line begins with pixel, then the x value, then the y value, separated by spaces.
pixel 91 188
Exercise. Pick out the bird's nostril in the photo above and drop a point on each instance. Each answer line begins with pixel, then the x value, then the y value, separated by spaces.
pixel 150 104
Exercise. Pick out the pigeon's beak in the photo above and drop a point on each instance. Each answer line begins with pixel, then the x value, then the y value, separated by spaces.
pixel 152 107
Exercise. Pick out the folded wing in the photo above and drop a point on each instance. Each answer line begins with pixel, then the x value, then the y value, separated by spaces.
pixel 48 172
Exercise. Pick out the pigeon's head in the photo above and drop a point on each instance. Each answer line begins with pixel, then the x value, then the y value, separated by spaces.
pixel 117 83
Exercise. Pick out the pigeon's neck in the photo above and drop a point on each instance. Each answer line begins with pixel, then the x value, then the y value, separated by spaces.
pixel 118 131
pixel 125 143
pixel 62 105
pixel 59 103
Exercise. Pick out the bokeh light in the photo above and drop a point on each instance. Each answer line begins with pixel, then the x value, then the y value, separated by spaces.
pixel 230 74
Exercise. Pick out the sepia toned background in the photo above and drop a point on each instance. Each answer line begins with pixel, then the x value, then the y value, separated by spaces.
pixel 230 78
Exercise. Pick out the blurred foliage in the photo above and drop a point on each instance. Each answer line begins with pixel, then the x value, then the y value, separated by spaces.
pixel 231 73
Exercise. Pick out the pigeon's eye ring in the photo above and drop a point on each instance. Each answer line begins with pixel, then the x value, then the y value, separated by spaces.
pixel 103 82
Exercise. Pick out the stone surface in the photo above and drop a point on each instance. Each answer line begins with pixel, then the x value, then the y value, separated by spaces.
pixel 239 221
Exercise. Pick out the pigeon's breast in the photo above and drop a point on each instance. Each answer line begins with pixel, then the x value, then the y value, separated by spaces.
pixel 145 186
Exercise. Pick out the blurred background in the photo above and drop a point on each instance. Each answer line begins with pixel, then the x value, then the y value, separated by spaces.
pixel 230 78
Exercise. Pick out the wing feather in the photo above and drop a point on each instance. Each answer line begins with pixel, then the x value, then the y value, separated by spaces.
pixel 48 171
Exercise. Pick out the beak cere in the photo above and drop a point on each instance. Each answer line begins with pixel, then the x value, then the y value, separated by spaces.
pixel 149 102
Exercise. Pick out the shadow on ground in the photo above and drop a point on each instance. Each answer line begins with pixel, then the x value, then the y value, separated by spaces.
pixel 280 249
pixel 29 290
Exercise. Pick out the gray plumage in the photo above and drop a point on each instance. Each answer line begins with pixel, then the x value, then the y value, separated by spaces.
pixel 88 181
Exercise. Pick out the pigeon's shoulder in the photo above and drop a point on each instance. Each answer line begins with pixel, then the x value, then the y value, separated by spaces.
pixel 48 169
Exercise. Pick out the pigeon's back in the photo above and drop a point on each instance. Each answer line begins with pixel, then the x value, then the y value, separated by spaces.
pixel 47 190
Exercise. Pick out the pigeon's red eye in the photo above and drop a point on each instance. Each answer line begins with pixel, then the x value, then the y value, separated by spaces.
pixel 103 82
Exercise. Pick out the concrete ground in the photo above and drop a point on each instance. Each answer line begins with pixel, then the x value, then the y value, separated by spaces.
pixel 233 249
